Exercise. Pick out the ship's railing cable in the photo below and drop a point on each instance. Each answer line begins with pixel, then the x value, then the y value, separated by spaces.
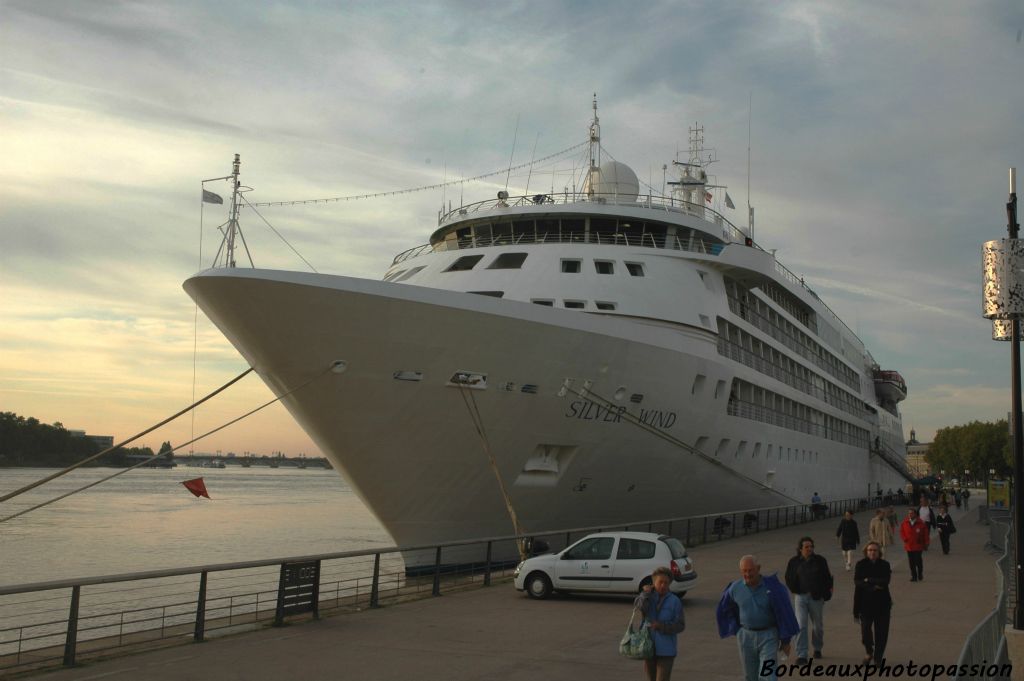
pixel 279 235
pixel 588 394
pixel 395 192
pixel 166 452
pixel 89 459
pixel 478 423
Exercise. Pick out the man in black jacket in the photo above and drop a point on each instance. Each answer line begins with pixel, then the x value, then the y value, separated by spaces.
pixel 810 580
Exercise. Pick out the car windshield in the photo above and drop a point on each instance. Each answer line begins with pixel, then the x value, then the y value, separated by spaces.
pixel 675 546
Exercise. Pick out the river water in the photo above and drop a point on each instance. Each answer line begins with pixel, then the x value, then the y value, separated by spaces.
pixel 146 520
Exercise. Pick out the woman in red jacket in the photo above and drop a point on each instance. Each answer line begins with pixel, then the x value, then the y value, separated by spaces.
pixel 915 534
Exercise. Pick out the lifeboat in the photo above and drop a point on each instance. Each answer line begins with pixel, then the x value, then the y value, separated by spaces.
pixel 889 386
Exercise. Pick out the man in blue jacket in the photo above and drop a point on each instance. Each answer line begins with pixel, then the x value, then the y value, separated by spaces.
pixel 759 612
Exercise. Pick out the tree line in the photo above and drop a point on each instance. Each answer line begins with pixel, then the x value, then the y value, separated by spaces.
pixel 978 447
pixel 25 441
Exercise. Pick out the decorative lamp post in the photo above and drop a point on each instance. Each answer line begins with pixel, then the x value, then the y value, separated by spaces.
pixel 1003 301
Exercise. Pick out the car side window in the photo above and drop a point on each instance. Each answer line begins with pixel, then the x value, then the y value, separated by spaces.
pixel 596 548
pixel 635 549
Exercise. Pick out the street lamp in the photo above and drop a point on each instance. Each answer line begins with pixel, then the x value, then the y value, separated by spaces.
pixel 1003 301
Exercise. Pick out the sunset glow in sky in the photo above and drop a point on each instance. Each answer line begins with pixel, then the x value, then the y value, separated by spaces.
pixel 882 134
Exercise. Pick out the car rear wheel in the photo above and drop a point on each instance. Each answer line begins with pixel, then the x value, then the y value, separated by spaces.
pixel 538 586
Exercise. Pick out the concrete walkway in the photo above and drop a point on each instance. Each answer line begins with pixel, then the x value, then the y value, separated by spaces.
pixel 498 633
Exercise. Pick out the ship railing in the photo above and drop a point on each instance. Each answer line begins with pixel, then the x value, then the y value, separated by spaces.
pixel 839 400
pixel 667 204
pixel 47 624
pixel 794 344
pixel 788 275
pixel 643 240
pixel 757 412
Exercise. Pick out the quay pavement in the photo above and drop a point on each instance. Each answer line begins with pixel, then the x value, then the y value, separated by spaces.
pixel 498 633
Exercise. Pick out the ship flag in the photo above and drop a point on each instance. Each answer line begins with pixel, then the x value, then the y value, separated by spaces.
pixel 728 201
pixel 197 487
pixel 210 197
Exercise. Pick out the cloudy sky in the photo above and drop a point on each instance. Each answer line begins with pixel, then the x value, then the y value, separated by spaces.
pixel 882 133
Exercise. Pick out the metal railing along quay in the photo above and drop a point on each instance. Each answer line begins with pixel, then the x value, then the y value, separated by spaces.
pixel 47 624
pixel 985 647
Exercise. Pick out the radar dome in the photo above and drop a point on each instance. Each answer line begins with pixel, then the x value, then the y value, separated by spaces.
pixel 614 179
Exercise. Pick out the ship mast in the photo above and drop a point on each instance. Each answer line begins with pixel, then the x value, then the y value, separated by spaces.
pixel 233 228
pixel 595 150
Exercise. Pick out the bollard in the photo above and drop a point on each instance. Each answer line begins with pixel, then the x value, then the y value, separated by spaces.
pixel 375 585
pixel 437 573
pixel 487 566
pixel 72 636
pixel 200 629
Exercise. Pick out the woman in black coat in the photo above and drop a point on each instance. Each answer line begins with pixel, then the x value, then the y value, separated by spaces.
pixel 944 523
pixel 872 602
pixel 849 536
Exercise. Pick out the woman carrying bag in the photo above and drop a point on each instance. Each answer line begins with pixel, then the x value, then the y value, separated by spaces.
pixel 663 619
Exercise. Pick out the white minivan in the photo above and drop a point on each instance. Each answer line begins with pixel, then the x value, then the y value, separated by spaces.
pixel 607 562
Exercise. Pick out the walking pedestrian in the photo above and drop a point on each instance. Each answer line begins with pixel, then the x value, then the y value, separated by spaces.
pixel 927 515
pixel 872 602
pixel 879 530
pixel 966 495
pixel 915 537
pixel 756 609
pixel 925 512
pixel 890 515
pixel 663 612
pixel 944 523
pixel 849 537
pixel 810 581
pixel 957 497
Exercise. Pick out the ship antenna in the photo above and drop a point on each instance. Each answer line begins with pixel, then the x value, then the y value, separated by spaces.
pixel 532 156
pixel 750 210
pixel 229 254
pixel 515 138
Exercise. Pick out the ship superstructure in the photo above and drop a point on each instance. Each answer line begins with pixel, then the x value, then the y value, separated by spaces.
pixel 612 355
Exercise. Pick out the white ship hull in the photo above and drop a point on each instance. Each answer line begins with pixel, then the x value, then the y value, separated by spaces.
pixel 619 357
pixel 410 449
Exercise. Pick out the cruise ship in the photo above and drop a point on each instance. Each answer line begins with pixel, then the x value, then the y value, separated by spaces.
pixel 557 360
